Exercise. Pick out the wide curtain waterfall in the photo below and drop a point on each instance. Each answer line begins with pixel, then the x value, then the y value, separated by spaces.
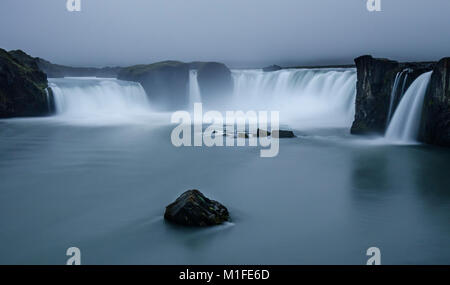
pixel 404 126
pixel 304 97
pixel 84 98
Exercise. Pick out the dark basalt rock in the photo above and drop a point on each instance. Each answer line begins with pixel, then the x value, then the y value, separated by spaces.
pixel 22 86
pixel 192 208
pixel 272 68
pixel 375 79
pixel 282 134
pixel 166 83
pixel 215 82
pixel 435 124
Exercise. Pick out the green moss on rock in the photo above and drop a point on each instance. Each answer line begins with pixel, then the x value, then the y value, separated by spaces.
pixel 22 86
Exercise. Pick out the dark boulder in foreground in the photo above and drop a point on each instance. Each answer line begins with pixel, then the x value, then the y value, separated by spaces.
pixel 282 134
pixel 272 68
pixel 192 208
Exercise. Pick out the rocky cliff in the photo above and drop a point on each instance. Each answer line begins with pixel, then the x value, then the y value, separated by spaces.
pixel 215 82
pixel 435 126
pixel 23 86
pixel 166 83
pixel 375 80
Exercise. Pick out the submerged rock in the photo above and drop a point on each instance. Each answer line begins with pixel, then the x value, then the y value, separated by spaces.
pixel 282 134
pixel 262 133
pixel 192 208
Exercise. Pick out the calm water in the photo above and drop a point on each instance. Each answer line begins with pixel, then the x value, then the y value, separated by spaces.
pixel 324 199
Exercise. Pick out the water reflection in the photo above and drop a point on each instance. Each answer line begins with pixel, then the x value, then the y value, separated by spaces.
pixel 370 172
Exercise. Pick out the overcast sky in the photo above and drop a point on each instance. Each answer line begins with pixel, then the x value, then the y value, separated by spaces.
pixel 237 32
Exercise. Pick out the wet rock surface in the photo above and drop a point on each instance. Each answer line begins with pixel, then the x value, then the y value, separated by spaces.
pixel 262 133
pixel 192 208
pixel 259 133
pixel 375 80
pixel 435 127
pixel 282 134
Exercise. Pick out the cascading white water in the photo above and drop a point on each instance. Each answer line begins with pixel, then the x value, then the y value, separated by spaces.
pixel 98 99
pixel 194 89
pixel 400 78
pixel 404 126
pixel 47 97
pixel 404 83
pixel 304 97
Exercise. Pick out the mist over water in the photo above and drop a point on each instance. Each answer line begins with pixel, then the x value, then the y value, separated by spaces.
pixel 404 126
pixel 306 98
pixel 101 171
pixel 98 100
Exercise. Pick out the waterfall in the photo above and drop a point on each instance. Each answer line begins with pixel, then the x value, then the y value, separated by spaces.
pixel 304 97
pixel 194 89
pixel 400 78
pixel 404 83
pixel 47 97
pixel 404 126
pixel 310 98
pixel 86 97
